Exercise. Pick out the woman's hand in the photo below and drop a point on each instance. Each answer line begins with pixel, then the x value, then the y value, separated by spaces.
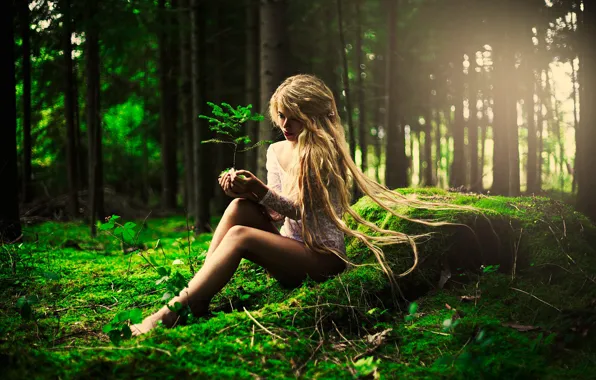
pixel 225 181
pixel 244 181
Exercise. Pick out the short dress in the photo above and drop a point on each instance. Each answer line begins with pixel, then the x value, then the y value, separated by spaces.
pixel 281 209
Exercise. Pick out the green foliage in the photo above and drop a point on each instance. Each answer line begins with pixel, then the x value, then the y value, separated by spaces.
pixel 229 122
pixel 119 329
pixel 334 329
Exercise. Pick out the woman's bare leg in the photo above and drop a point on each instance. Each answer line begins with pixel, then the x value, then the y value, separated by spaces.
pixel 240 212
pixel 288 260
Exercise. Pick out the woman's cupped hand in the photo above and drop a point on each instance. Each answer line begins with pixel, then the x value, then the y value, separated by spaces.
pixel 240 184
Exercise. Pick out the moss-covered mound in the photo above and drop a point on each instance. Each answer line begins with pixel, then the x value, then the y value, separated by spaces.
pixel 509 292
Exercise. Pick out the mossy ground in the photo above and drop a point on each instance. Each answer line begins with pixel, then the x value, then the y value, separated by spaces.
pixel 534 317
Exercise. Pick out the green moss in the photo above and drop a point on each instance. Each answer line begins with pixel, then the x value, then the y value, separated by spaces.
pixel 544 251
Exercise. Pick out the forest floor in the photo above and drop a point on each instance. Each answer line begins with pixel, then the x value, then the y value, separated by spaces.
pixel 508 293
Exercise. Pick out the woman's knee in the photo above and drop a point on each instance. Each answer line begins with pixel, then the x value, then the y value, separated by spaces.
pixel 238 233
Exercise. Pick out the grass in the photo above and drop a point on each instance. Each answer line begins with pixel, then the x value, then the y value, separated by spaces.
pixel 519 301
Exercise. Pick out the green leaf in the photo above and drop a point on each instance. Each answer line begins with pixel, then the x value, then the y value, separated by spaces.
pixel 166 296
pixel 136 316
pixel 177 262
pixel 122 316
pixel 107 328
pixel 413 308
pixel 130 225
pixel 126 333
pixel 163 271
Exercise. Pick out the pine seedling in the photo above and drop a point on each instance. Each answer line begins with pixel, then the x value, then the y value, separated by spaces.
pixel 227 122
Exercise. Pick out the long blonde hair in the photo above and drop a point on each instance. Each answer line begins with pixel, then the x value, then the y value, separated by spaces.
pixel 323 153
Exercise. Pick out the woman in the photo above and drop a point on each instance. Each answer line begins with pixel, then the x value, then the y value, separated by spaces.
pixel 308 188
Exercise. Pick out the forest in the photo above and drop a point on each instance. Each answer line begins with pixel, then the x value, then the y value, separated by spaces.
pixel 110 197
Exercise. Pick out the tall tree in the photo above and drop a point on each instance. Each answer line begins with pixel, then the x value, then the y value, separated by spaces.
pixel 95 192
pixel 363 130
pixel 26 74
pixel 186 103
pixel 69 108
pixel 167 125
pixel 458 166
pixel 396 167
pixel 532 166
pixel 10 227
pixel 346 84
pixel 200 153
pixel 586 180
pixel 474 122
pixel 251 74
pixel 274 50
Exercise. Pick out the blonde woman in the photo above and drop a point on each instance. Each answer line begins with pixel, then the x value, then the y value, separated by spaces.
pixel 308 190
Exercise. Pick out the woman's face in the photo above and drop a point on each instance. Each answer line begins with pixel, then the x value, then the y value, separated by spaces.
pixel 290 127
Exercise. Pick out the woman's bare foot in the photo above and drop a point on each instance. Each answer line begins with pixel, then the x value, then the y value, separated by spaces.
pixel 165 315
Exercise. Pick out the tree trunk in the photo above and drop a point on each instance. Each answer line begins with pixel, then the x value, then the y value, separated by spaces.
pixel 331 54
pixel 513 130
pixel 273 53
pixel 586 180
pixel 10 226
pixel 95 192
pixel 575 122
pixel 458 166
pixel 501 163
pixel 396 169
pixel 26 59
pixel 532 185
pixel 223 152
pixel 145 138
pixel 167 125
pixel 363 130
pixel 438 154
pixel 71 154
pixel 427 167
pixel 200 156
pixel 186 103
pixel 346 83
pixel 251 77
pixel 474 122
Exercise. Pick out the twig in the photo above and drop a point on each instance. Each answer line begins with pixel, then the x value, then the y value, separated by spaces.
pixel 544 302
pixel 297 373
pixel 261 326
pixel 113 348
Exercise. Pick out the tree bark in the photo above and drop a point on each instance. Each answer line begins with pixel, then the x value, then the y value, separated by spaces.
pixel 458 166
pixel 346 83
pixel 396 169
pixel 363 130
pixel 26 59
pixel 586 180
pixel 69 106
pixel 167 125
pixel 473 126
pixel 274 50
pixel 95 192
pixel 200 153
pixel 10 227
pixel 532 185
pixel 186 102
pixel 251 76
pixel 500 126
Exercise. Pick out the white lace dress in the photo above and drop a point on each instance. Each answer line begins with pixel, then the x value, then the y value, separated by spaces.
pixel 283 209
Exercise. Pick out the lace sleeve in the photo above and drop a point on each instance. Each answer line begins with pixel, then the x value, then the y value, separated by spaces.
pixel 280 204
pixel 273 182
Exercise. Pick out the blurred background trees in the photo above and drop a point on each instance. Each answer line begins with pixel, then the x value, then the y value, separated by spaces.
pixel 479 95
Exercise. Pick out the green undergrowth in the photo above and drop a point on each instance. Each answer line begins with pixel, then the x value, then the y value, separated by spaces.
pixel 508 293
